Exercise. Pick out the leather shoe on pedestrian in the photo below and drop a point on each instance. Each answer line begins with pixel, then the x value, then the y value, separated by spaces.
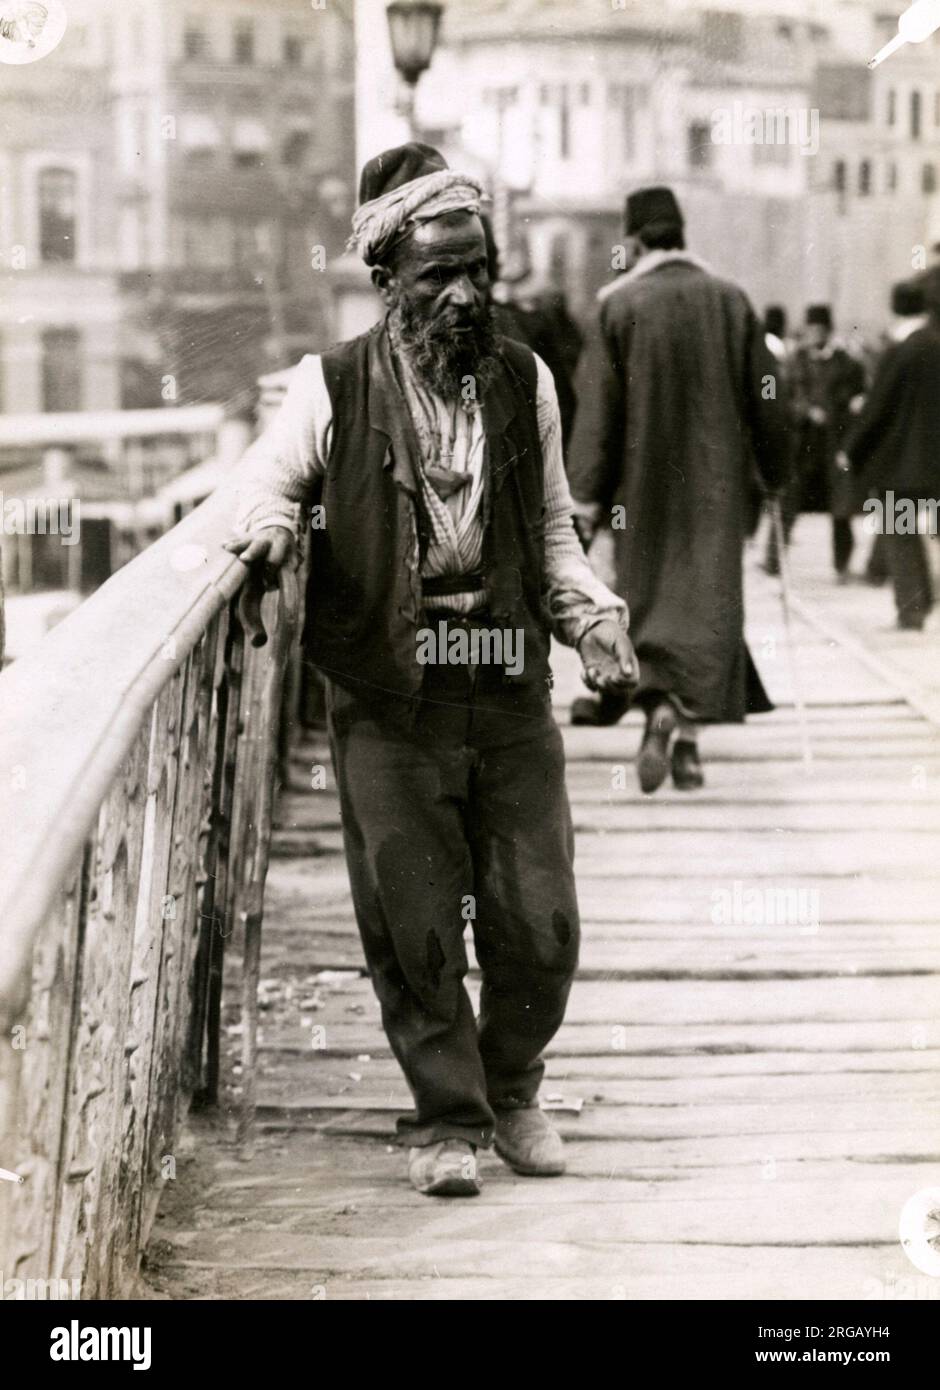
pixel 609 709
pixel 528 1143
pixel 445 1169
pixel 652 762
pixel 687 774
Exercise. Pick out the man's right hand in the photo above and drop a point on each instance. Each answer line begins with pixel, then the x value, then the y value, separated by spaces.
pixel 266 553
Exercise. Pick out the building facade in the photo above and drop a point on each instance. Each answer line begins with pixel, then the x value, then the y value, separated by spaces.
pixel 802 176
pixel 175 178
pixel 879 175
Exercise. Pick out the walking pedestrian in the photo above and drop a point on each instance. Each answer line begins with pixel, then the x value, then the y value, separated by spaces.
pixel 676 392
pixel 908 315
pixel 775 336
pixel 826 380
pixel 892 450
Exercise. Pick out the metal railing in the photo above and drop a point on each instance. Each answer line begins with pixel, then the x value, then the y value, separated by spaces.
pixel 137 758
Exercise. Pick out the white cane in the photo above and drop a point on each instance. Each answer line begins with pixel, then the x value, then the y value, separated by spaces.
pixel 776 521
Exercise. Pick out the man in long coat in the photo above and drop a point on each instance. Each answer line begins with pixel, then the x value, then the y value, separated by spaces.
pixel 675 389
pixel 893 450
pixel 448 559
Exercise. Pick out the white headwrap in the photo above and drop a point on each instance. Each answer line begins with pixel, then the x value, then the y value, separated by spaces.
pixel 379 223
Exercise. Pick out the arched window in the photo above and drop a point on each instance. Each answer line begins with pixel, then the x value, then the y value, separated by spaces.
pixel 244 41
pixel 295 147
pixel 892 112
pixel 838 176
pixel 864 177
pixel 57 198
pixel 928 178
pixel 249 143
pixel 61 369
pixel 700 145
pixel 915 115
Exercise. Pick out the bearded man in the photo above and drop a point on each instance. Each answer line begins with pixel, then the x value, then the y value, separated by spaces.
pixel 434 448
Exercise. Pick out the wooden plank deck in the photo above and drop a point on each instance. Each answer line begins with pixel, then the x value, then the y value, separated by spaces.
pixel 749 1068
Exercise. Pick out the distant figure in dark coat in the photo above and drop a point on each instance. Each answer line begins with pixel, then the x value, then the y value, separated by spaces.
pixel 676 392
pixel 908 315
pixel 542 322
pixel 894 449
pixel 775 336
pixel 825 380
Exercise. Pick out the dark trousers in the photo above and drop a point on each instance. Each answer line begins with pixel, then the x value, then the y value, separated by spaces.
pixel 878 570
pixel 461 817
pixel 843 543
pixel 913 582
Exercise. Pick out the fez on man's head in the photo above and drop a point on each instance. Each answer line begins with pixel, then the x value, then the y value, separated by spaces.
pixel 907 299
pixel 652 210
pixel 819 314
pixel 775 320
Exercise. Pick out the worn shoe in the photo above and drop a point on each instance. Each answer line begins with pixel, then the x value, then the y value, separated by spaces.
pixel 528 1143
pixel 445 1169
pixel 609 709
pixel 652 761
pixel 687 774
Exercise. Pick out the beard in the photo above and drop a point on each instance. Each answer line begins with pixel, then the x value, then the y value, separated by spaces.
pixel 441 357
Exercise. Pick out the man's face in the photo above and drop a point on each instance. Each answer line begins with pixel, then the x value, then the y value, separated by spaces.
pixel 441 270
pixel 817 335
pixel 438 291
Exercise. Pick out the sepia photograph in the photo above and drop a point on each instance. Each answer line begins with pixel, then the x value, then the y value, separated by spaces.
pixel 470 666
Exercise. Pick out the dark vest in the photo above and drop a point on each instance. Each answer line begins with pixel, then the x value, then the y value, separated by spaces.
pixel 364 601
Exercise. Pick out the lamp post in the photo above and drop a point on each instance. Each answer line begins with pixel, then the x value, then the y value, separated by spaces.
pixel 413 27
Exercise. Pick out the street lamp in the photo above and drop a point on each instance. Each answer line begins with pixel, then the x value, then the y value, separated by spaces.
pixel 413 27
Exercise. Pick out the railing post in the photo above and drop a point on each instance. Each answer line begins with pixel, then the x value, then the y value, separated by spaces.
pixel 257 777
pixel 222 924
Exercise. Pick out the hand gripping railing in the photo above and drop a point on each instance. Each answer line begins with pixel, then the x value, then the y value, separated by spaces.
pixel 137 759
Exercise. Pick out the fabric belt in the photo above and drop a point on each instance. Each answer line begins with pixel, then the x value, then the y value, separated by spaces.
pixel 480 617
pixel 445 585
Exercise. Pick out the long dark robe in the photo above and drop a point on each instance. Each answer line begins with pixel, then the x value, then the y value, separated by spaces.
pixel 678 396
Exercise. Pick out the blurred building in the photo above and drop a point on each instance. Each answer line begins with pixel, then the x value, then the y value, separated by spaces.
pixel 82 492
pixel 567 107
pixel 879 170
pixel 176 177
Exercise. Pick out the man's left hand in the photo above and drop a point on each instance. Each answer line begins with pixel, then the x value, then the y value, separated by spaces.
pixel 608 659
